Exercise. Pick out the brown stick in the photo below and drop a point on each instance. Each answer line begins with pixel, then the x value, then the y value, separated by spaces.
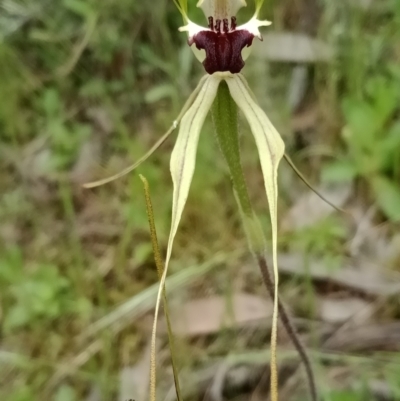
pixel 291 331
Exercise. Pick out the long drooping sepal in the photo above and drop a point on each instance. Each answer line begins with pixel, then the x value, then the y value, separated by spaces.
pixel 183 156
pixel 225 117
pixel 271 149
pixel 182 166
pixel 174 125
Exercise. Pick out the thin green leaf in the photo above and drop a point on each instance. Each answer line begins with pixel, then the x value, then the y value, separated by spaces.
pixel 225 118
pixel 160 269
pixel 182 165
pixel 175 124
pixel 271 150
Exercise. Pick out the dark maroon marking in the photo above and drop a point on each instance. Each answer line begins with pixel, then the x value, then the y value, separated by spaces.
pixel 217 27
pixel 226 25
pixel 233 23
pixel 223 49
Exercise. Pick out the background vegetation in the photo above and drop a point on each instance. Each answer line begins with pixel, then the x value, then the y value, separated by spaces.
pixel 85 88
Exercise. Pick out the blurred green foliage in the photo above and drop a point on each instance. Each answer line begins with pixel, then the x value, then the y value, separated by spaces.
pixel 372 138
pixel 82 73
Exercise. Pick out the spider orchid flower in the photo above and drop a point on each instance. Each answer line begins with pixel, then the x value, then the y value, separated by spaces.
pixel 222 47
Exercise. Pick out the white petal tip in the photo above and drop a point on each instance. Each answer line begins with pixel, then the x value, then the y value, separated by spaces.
pixel 253 25
pixel 265 23
pixel 192 29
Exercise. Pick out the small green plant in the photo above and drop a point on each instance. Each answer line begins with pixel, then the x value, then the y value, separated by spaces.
pixel 32 295
pixel 372 138
pixel 37 293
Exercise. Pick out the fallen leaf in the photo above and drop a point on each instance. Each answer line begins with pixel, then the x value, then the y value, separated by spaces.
pixel 382 336
pixel 365 276
pixel 334 311
pixel 207 315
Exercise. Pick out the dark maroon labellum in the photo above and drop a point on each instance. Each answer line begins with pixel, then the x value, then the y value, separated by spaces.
pixel 223 45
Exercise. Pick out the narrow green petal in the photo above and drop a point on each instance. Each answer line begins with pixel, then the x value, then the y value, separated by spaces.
pixel 271 150
pixel 182 166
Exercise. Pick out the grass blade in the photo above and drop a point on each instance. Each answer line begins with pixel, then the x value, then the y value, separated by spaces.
pixel 160 269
